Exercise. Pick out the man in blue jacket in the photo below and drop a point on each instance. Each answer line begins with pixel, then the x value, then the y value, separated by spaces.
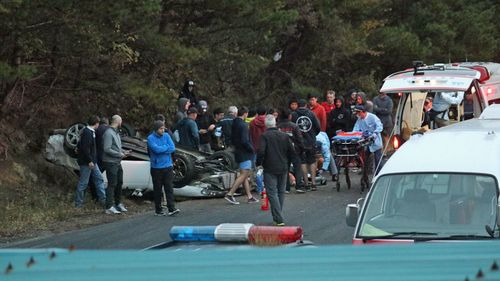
pixel 161 147
pixel 371 126
pixel 87 159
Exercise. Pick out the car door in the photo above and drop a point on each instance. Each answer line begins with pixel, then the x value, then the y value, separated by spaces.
pixel 136 174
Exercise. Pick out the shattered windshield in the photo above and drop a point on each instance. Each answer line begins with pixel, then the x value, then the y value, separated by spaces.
pixel 437 205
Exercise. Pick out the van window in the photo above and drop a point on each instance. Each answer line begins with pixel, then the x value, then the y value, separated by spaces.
pixel 442 203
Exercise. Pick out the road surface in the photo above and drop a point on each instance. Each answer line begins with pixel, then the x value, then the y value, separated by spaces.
pixel 320 213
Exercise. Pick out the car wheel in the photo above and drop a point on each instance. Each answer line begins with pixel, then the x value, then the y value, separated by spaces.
pixel 72 135
pixel 226 157
pixel 127 130
pixel 183 170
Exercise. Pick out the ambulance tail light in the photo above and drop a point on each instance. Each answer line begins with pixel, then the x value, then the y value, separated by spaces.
pixel 489 90
pixel 192 233
pixel 272 235
pixel 396 141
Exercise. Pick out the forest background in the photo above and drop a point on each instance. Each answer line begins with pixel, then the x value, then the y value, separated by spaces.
pixel 62 60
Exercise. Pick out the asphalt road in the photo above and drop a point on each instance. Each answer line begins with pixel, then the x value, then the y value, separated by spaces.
pixel 321 214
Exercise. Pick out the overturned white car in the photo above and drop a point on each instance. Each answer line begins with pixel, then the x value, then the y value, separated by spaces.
pixel 196 174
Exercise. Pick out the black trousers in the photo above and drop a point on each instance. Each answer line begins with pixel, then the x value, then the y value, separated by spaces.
pixel 163 178
pixel 114 173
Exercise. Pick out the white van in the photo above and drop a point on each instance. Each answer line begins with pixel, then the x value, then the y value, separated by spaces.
pixel 441 185
pixel 411 87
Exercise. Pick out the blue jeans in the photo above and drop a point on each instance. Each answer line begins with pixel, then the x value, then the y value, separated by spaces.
pixel 85 174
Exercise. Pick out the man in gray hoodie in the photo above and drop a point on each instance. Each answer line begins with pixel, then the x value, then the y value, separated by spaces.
pixel 183 105
pixel 111 160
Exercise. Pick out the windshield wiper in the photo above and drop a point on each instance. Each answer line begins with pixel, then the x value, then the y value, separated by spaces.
pixel 465 237
pixel 399 234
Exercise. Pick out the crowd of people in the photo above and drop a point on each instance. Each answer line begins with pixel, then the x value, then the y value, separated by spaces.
pixel 283 142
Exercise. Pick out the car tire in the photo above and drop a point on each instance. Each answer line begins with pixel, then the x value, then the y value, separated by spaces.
pixel 183 170
pixel 127 130
pixel 226 157
pixel 72 135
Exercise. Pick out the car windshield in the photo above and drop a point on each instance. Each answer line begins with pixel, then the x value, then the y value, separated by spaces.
pixel 433 205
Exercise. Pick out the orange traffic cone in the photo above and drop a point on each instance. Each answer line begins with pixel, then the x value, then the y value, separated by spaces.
pixel 264 201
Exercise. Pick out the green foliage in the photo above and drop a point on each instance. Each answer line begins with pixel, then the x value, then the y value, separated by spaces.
pixel 142 51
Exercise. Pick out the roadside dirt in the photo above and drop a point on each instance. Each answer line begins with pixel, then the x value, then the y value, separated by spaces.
pixel 36 199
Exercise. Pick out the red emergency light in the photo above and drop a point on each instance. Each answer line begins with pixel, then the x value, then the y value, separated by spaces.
pixel 268 235
pixel 396 142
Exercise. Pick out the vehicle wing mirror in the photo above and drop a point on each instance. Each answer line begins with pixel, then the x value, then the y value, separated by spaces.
pixel 498 215
pixel 352 213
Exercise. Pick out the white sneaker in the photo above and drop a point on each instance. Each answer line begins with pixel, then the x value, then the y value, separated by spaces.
pixel 176 211
pixel 121 208
pixel 112 211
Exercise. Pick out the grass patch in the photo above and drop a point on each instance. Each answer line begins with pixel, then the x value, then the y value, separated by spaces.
pixel 37 198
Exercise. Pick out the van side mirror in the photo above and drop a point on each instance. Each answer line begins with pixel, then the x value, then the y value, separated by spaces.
pixel 498 215
pixel 352 213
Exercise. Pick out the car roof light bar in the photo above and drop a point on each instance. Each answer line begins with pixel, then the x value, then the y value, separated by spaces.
pixel 238 232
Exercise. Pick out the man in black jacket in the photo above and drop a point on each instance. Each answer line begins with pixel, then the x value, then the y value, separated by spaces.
pixel 87 159
pixel 286 126
pixel 99 132
pixel 243 154
pixel 309 126
pixel 274 154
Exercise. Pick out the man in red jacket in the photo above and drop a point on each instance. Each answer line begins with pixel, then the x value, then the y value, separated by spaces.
pixel 318 110
pixel 329 103
pixel 257 127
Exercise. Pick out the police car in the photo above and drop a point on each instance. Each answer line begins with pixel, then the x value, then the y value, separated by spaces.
pixel 441 185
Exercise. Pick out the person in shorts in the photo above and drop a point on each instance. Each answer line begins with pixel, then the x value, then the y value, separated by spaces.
pixel 243 154
pixel 309 126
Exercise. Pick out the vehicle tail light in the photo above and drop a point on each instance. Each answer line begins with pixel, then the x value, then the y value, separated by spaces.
pixel 396 142
pixel 489 90
pixel 192 233
pixel 271 235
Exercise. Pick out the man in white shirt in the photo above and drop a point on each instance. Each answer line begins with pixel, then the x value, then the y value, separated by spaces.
pixel 440 106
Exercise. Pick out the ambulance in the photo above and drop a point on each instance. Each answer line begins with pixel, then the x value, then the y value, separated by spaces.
pixel 410 88
pixel 439 186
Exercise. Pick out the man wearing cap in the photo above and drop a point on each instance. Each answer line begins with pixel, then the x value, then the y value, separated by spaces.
pixel 188 92
pixel 188 130
pixel 206 126
pixel 318 110
pixel 371 126
pixel 160 148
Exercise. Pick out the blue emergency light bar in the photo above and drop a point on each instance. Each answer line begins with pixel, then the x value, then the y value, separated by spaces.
pixel 193 233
